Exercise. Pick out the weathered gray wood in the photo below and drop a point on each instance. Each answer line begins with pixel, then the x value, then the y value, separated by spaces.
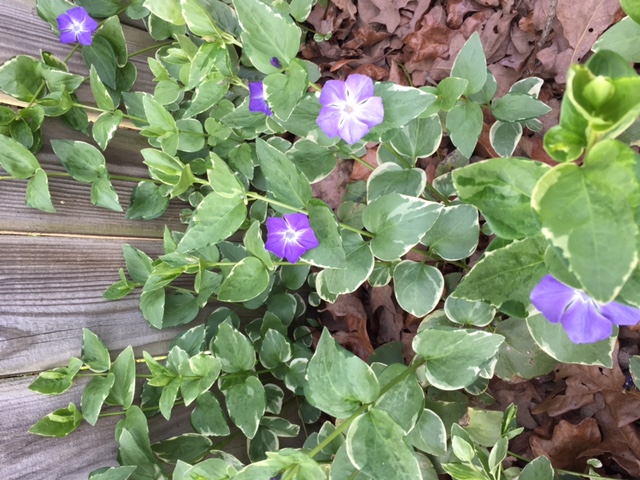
pixel 24 455
pixel 22 32
pixel 72 200
pixel 51 287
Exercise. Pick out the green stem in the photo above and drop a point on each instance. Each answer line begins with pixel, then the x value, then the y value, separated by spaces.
pixel 566 472
pixel 96 109
pixel 399 157
pixel 315 87
pixel 362 162
pixel 124 178
pixel 146 409
pixel 437 194
pixel 255 196
pixel 70 54
pixel 148 49
pixel 344 425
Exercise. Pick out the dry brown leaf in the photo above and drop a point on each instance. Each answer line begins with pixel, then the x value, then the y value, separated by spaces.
pixel 583 22
pixel 350 319
pixel 383 12
pixel 433 38
pixel 459 9
pixel 332 188
pixel 360 172
pixel 567 444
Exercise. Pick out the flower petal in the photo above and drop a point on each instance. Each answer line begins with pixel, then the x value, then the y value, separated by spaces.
pixel 297 221
pixel 552 297
pixel 67 36
pixel 257 102
pixel 85 38
pixel 619 314
pixel 584 324
pixel 77 14
pixel 353 130
pixel 329 120
pixel 293 251
pixel 369 112
pixel 333 93
pixel 359 88
pixel 64 22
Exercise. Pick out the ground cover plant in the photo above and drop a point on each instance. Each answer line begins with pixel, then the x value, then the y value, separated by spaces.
pixel 510 268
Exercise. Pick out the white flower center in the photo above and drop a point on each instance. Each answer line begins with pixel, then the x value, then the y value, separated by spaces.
pixel 291 236
pixel 77 27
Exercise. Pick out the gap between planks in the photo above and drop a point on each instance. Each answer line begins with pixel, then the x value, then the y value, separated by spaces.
pixel 77 235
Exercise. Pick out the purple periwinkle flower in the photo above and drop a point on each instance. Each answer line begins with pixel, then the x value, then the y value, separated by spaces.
pixel 257 103
pixel 349 109
pixel 76 25
pixel 290 237
pixel 584 320
pixel 275 62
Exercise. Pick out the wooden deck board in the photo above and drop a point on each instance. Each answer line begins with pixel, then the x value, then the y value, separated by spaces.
pixel 24 455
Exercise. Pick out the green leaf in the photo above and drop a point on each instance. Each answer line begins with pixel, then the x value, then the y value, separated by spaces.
pixel 103 194
pixel 111 30
pixel 223 179
pixel 207 94
pixel 188 447
pixel 264 441
pixel 391 178
pixel 504 137
pixel 376 446
pixel 398 222
pixel 505 277
pixel 516 107
pixel 84 162
pixel 520 356
pixel 464 123
pixel 94 354
pixel 158 117
pixel 455 357
pixel 207 418
pixel 59 423
pixel 100 93
pixel 147 202
pixel 338 382
pixel 202 371
pixel 233 349
pixel 313 160
pixel 198 19
pixel 539 469
pixel 191 137
pixel 454 236
pixel 113 473
pixel 463 311
pixel 471 65
pixel 553 339
pixel 404 401
pixel 17 160
pixel 286 183
pixel 450 90
pixel 152 306
pixel 329 254
pixel 124 370
pixel 418 287
pixel 20 77
pixel 94 395
pixel 283 91
pixel 105 127
pixel 246 403
pixel 179 309
pixel 501 188
pixel 255 245
pixel 138 263
pixel 419 138
pixel 203 62
pixel 275 349
pixel 58 380
pixel 584 211
pixel 216 218
pixel 167 10
pixel 247 279
pixel 429 434
pixel 401 105
pixel 621 38
pixel 38 195
pixel 260 42
pixel 358 266
pixel 101 56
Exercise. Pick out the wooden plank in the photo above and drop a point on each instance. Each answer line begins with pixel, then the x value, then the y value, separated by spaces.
pixel 51 287
pixel 22 32
pixel 24 455
pixel 72 200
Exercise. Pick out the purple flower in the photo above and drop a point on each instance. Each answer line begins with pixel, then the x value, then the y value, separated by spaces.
pixel 257 103
pixel 584 320
pixel 76 25
pixel 275 62
pixel 349 109
pixel 290 237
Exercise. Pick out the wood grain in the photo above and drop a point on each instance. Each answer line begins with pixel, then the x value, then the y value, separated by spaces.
pixel 51 287
pixel 24 455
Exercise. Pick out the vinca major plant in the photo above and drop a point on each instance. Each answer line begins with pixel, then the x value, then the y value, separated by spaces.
pixel 239 127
